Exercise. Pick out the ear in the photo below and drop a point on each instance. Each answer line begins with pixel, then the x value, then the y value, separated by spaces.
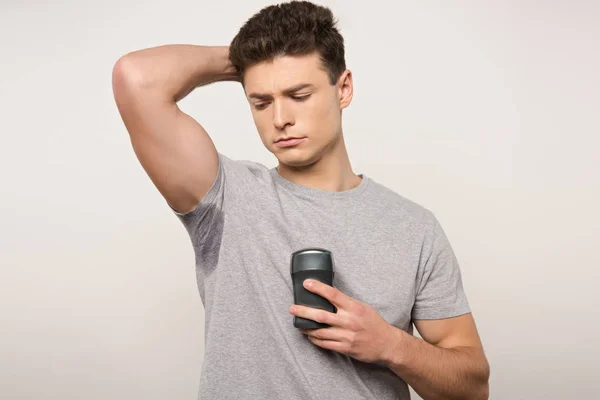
pixel 345 89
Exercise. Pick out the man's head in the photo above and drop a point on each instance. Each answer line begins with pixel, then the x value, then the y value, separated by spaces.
pixel 290 58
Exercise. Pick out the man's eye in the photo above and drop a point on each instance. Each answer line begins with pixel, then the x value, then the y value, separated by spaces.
pixel 301 98
pixel 262 106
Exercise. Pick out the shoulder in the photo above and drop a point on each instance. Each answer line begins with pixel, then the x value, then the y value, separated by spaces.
pixel 242 169
pixel 401 208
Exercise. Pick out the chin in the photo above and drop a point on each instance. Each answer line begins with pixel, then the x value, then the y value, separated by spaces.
pixel 295 158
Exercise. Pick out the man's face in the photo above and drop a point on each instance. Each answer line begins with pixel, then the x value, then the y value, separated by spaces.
pixel 291 97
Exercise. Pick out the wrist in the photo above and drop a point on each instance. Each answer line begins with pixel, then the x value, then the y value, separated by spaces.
pixel 394 355
pixel 227 71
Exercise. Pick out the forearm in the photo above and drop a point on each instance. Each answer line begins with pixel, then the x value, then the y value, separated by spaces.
pixel 176 70
pixel 437 373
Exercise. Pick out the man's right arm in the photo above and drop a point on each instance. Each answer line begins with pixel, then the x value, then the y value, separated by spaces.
pixel 175 151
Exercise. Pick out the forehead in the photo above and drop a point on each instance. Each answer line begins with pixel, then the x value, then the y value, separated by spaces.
pixel 283 72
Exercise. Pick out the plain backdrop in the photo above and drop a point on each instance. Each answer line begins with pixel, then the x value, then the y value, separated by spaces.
pixel 485 112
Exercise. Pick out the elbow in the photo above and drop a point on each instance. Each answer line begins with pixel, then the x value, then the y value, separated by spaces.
pixel 484 386
pixel 481 392
pixel 125 74
pixel 479 387
pixel 484 392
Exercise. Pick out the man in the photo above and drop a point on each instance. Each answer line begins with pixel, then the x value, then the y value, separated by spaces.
pixel 393 263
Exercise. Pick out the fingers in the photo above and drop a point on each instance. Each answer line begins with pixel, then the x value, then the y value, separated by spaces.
pixel 333 333
pixel 334 296
pixel 316 314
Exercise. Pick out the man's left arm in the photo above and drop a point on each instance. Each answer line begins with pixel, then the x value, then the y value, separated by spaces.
pixel 448 363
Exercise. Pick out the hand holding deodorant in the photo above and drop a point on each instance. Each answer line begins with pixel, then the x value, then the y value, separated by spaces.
pixel 311 263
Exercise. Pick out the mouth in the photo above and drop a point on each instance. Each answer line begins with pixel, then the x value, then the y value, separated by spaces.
pixel 287 142
pixel 287 138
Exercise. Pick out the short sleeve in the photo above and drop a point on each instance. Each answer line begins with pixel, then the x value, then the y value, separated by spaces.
pixel 439 287
pixel 207 218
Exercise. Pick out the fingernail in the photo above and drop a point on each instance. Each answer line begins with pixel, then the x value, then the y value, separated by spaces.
pixel 308 283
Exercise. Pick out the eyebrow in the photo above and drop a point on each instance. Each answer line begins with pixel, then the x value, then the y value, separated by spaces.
pixel 264 96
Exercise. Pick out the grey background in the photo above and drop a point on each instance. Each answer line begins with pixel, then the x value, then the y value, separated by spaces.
pixel 485 112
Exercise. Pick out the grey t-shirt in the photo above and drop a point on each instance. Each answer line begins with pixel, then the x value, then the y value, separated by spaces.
pixel 389 252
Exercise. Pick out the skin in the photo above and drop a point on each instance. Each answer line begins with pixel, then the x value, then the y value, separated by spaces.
pixel 314 113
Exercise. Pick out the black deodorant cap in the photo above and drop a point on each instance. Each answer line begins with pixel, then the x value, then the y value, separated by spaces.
pixel 311 259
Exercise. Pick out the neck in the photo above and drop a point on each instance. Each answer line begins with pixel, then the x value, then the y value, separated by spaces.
pixel 332 172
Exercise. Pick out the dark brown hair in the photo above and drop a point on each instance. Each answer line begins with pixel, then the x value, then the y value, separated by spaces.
pixel 293 28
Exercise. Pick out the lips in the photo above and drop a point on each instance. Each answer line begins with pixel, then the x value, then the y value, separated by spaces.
pixel 288 142
pixel 288 138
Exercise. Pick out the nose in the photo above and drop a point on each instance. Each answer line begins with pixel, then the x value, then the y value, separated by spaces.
pixel 282 115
